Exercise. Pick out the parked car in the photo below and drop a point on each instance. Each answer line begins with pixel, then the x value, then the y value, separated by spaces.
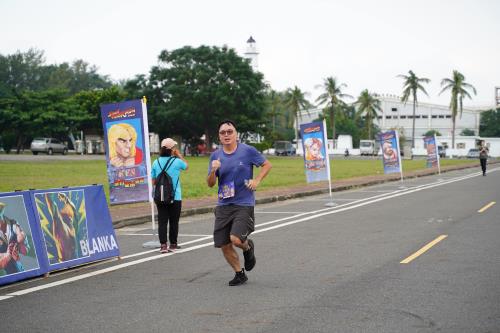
pixel 284 148
pixel 48 146
pixel 473 153
pixel 441 151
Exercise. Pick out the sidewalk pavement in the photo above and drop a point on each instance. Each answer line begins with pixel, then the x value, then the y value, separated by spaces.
pixel 131 214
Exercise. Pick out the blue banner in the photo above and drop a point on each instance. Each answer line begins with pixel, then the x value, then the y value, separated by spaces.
pixel 432 153
pixel 127 151
pixel 389 144
pixel 315 154
pixel 21 252
pixel 47 230
pixel 76 225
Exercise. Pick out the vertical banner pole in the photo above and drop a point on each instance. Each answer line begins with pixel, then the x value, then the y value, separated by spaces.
pixel 148 157
pixel 325 138
pixel 399 156
pixel 152 216
pixel 154 243
pixel 437 155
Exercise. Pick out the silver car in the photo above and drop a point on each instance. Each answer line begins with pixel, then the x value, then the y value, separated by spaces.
pixel 473 153
pixel 48 146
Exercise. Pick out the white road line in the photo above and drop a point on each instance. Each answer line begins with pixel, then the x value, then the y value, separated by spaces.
pixel 264 212
pixel 156 234
pixel 194 235
pixel 380 191
pixel 324 212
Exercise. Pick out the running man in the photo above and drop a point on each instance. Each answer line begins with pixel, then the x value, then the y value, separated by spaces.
pixel 232 166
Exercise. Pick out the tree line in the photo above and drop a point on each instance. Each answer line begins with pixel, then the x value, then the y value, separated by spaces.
pixel 189 91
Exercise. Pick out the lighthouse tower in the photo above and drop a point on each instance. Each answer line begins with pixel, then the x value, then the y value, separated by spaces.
pixel 251 53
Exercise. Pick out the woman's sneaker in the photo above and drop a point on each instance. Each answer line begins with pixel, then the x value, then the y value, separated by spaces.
pixel 163 248
pixel 173 247
pixel 239 278
pixel 249 256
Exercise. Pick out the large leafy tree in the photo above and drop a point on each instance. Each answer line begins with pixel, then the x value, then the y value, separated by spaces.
pixel 490 123
pixel 36 99
pixel 195 88
pixel 32 113
pixel 27 71
pixel 22 71
pixel 459 90
pixel 332 97
pixel 411 85
pixel 88 103
pixel 367 105
pixel 295 102
pixel 75 77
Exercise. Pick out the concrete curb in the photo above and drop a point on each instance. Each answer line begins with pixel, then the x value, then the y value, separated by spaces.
pixel 274 198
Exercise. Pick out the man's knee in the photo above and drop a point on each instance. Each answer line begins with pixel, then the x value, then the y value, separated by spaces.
pixel 236 241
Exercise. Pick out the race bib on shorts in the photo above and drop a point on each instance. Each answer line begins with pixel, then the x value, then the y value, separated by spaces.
pixel 226 190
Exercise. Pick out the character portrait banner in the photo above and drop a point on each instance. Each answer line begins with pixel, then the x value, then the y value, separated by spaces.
pixel 76 225
pixel 316 162
pixel 389 144
pixel 126 140
pixel 63 220
pixel 21 254
pixel 432 152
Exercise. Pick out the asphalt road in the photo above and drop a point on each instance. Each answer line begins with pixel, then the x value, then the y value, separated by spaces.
pixel 417 256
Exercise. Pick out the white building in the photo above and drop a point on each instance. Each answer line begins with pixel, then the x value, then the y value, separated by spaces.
pixel 396 114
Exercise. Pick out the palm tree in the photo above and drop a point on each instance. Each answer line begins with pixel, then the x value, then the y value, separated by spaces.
pixel 332 97
pixel 295 100
pixel 458 88
pixel 412 84
pixel 274 107
pixel 368 104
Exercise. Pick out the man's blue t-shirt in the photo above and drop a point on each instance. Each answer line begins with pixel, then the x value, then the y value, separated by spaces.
pixel 235 170
pixel 173 171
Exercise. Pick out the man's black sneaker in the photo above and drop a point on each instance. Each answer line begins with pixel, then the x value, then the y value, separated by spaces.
pixel 249 256
pixel 239 278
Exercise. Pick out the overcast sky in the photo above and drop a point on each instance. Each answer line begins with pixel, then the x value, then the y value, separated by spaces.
pixel 365 44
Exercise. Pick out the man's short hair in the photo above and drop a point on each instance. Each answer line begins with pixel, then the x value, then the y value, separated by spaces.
pixel 226 121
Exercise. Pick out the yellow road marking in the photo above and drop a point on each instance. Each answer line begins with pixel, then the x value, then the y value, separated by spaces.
pixel 486 207
pixel 423 250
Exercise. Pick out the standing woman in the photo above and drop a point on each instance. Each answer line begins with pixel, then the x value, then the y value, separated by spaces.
pixel 483 156
pixel 169 213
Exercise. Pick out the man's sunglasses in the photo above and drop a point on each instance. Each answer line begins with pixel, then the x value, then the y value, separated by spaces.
pixel 227 132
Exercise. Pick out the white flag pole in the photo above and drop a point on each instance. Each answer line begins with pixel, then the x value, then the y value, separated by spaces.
pixel 437 155
pixel 327 157
pixel 399 159
pixel 154 243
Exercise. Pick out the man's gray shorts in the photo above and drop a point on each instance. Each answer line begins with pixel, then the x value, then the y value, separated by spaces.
pixel 233 220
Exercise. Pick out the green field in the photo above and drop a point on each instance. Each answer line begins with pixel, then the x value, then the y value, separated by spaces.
pixel 285 172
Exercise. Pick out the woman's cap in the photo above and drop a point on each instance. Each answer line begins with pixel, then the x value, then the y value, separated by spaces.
pixel 168 143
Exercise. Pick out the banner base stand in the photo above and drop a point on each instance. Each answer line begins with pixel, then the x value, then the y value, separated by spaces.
pixel 331 204
pixel 154 244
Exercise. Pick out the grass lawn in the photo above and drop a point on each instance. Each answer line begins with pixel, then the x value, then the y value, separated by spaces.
pixel 286 171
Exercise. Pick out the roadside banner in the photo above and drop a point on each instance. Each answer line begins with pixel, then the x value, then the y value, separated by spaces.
pixel 21 251
pixel 76 225
pixel 432 152
pixel 127 151
pixel 47 230
pixel 316 161
pixel 391 157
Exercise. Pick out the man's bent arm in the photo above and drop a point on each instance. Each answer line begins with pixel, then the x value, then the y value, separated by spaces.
pixel 264 170
pixel 212 178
